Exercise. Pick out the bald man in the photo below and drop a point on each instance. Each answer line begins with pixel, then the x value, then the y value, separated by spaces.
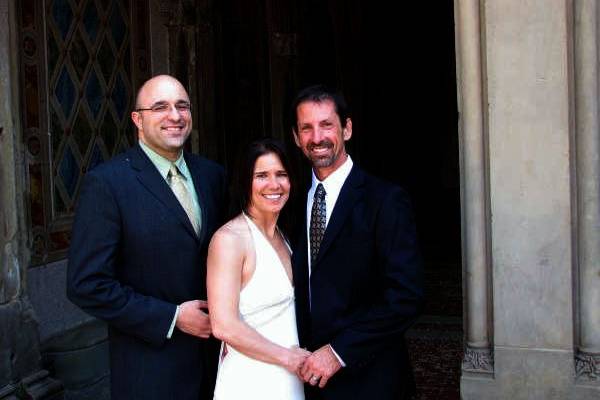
pixel 138 252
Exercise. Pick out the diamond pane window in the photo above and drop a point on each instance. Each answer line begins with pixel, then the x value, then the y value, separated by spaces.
pixel 53 53
pixel 79 55
pixel 55 129
pixel 109 132
pixel 78 89
pixel 82 132
pixel 106 60
pixel 93 93
pixel 65 92
pixel 120 98
pixel 68 171
pixel 91 22
pixel 63 16
pixel 117 26
pixel 59 204
pixel 96 157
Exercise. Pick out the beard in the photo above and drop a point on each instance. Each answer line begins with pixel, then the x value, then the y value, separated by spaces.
pixel 321 160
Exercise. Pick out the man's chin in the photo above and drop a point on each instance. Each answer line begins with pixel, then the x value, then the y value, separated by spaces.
pixel 322 161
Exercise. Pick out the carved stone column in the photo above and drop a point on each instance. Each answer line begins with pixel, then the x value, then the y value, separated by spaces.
pixel 20 373
pixel 478 356
pixel 587 360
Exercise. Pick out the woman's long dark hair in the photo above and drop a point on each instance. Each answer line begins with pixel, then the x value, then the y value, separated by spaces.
pixel 242 184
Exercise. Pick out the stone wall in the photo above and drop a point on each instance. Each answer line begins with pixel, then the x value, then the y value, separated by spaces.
pixel 20 359
pixel 528 100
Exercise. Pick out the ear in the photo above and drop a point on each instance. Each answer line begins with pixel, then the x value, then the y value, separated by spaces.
pixel 347 130
pixel 136 117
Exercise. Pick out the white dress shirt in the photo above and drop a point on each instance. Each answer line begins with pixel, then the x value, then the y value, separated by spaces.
pixel 332 185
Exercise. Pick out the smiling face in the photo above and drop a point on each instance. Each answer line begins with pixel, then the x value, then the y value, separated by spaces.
pixel 166 126
pixel 321 136
pixel 270 185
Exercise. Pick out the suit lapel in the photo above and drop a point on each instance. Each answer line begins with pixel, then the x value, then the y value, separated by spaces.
pixel 150 178
pixel 349 195
pixel 201 191
pixel 300 269
pixel 300 256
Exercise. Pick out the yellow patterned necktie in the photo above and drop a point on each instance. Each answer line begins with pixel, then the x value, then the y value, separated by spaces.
pixel 183 195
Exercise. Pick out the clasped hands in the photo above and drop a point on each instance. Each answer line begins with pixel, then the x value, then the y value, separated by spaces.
pixel 315 368
pixel 319 367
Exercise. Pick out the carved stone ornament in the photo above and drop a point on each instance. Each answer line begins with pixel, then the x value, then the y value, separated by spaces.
pixel 478 360
pixel 587 366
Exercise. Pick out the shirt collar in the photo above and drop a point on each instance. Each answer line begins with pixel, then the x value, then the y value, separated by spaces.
pixel 333 183
pixel 163 164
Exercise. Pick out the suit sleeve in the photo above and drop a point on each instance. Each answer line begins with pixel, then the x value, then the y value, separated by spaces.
pixel 397 262
pixel 92 282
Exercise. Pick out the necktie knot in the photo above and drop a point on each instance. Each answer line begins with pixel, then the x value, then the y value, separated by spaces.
pixel 174 172
pixel 320 192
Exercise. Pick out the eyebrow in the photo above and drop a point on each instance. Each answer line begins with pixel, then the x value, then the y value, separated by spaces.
pixel 160 102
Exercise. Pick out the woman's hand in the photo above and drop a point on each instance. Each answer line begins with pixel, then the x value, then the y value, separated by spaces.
pixel 295 359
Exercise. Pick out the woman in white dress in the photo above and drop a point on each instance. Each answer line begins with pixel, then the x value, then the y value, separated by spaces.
pixel 250 290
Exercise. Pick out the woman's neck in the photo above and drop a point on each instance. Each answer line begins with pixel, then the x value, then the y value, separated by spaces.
pixel 266 222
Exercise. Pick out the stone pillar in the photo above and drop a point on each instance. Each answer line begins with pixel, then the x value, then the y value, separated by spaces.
pixel 535 93
pixel 478 356
pixel 587 361
pixel 20 373
pixel 529 122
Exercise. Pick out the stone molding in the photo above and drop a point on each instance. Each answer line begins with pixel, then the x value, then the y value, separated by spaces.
pixel 587 366
pixel 587 141
pixel 475 201
pixel 478 360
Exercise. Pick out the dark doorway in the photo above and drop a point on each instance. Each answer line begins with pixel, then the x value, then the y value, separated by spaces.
pixel 396 66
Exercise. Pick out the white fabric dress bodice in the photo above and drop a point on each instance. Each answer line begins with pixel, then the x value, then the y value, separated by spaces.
pixel 266 304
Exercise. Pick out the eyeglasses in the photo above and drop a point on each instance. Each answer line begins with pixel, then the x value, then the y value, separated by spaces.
pixel 161 107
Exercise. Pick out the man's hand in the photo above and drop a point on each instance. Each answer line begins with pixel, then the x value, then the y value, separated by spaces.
pixel 320 366
pixel 193 320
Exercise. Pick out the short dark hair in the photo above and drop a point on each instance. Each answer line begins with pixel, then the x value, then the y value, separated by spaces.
pixel 318 94
pixel 245 171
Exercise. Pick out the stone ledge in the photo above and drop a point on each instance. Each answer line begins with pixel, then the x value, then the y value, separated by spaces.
pixel 79 357
pixel 36 386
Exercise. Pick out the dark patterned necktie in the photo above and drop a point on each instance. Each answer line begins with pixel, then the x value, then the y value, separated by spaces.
pixel 317 222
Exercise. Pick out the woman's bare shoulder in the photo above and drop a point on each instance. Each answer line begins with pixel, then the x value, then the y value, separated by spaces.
pixel 234 231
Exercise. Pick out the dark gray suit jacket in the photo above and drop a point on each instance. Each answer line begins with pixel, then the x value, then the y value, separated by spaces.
pixel 134 256
pixel 365 288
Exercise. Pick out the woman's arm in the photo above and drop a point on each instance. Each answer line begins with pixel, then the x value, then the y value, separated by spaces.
pixel 226 256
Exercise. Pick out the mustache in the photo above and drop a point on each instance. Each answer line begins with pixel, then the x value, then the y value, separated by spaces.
pixel 323 143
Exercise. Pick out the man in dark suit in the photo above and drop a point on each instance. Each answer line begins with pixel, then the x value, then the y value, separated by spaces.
pixel 138 253
pixel 356 267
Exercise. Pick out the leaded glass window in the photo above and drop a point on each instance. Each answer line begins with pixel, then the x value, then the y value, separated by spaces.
pixel 79 73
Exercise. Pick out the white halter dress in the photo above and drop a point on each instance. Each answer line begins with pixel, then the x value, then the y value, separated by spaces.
pixel 267 305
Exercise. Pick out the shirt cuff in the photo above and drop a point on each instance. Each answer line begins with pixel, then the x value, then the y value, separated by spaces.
pixel 172 328
pixel 337 356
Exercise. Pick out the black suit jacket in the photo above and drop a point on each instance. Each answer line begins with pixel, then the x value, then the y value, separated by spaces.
pixel 134 256
pixel 365 288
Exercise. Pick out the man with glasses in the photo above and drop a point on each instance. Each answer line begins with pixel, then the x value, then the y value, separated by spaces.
pixel 138 252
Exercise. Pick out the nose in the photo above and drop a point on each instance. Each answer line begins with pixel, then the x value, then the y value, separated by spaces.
pixel 174 114
pixel 317 135
pixel 273 182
